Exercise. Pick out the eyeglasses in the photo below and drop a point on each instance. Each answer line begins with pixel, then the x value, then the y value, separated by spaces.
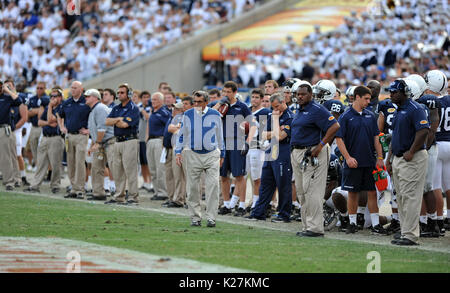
pixel 54 96
pixel 198 102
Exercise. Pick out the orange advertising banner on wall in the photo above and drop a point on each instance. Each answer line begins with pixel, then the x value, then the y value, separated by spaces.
pixel 270 33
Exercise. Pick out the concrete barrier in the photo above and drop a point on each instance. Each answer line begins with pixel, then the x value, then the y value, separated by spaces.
pixel 180 63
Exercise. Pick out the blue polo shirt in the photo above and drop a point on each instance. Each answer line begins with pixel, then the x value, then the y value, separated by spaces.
pixel 232 116
pixel 36 102
pixel 130 115
pixel 388 109
pixel 48 130
pixel 409 118
pixel 443 131
pixel 358 130
pixel 75 114
pixel 310 124
pixel 158 120
pixel 6 102
pixel 334 106
pixel 15 111
pixel 167 140
pixel 284 145
pixel 262 118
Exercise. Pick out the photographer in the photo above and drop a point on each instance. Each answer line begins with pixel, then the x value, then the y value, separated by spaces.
pixel 312 128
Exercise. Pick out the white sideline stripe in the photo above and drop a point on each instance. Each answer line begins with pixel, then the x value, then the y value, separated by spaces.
pixel 361 238
pixel 104 257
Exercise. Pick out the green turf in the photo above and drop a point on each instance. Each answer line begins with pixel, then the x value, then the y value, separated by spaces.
pixel 238 246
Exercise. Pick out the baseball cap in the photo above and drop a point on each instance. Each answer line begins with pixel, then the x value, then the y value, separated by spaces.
pixel 396 85
pixel 178 105
pixel 93 92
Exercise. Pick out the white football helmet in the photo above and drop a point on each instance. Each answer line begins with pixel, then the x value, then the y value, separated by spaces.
pixel 324 90
pixel 288 83
pixel 295 87
pixel 436 81
pixel 413 88
pixel 419 81
pixel 349 94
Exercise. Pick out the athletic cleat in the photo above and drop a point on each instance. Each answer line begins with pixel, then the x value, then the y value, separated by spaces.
pixel 351 229
pixel 345 222
pixel 378 230
pixel 240 212
pixel 329 217
pixel 211 223
pixel 25 182
pixel 360 221
pixel 55 190
pixel 432 229
pixel 16 184
pixel 70 195
pixel 224 210
pixel 440 224
pixel 447 224
pixel 394 226
pixel 279 219
pixel 252 218
pixel 196 223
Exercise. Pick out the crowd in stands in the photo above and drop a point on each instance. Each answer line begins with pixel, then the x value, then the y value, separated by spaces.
pixel 39 41
pixel 411 36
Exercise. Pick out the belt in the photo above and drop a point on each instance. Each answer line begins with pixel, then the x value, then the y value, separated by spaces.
pixel 399 155
pixel 126 137
pixel 108 140
pixel 301 147
pixel 153 136
pixel 50 135
pixel 74 132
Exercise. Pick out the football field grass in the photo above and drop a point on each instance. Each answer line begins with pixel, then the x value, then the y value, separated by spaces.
pixel 231 245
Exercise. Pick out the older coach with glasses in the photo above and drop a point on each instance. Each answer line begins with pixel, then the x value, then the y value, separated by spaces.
pixel 200 147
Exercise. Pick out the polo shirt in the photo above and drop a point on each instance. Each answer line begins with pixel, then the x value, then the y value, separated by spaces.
pixel 75 114
pixel 358 131
pixel 236 114
pixel 6 102
pixel 36 102
pixel 158 120
pixel 48 130
pixel 15 112
pixel 130 115
pixel 409 118
pixel 310 124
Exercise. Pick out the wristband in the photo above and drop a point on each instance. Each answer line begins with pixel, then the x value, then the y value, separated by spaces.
pixel 380 158
pixel 322 143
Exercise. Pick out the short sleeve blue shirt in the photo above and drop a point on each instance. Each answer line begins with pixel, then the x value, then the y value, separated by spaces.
pixel 75 114
pixel 358 131
pixel 157 121
pixel 130 115
pixel 6 102
pixel 310 124
pixel 408 119
pixel 36 102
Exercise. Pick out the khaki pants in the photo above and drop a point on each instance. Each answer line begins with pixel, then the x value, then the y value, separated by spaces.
pixel 15 163
pixel 170 178
pixel 194 164
pixel 33 140
pixel 50 151
pixel 310 185
pixel 157 170
pixel 76 156
pixel 180 182
pixel 6 162
pixel 175 179
pixel 125 169
pixel 99 159
pixel 409 181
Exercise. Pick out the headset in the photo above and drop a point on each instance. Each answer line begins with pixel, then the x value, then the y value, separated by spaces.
pixel 406 88
pixel 129 90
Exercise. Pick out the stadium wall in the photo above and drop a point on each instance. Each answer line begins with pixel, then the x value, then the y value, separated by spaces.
pixel 180 64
